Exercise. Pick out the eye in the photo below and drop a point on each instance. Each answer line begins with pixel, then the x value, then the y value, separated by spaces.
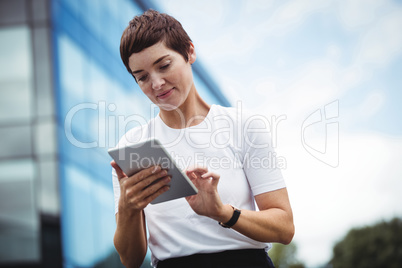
pixel 142 78
pixel 165 66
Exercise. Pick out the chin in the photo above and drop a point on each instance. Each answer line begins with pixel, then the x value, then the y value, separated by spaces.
pixel 167 106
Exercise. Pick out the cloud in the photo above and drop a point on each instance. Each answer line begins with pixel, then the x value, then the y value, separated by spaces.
pixel 315 84
pixel 291 15
pixel 256 6
pixel 357 14
pixel 371 104
pixel 382 43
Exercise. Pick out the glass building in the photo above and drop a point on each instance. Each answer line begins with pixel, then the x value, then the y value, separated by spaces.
pixel 65 98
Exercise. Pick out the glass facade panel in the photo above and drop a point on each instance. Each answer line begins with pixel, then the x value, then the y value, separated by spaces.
pixel 12 12
pixel 19 219
pixel 71 73
pixel 20 234
pixel 44 142
pixel 40 10
pixel 48 195
pixel 86 89
pixel 15 141
pixel 88 217
pixel 43 82
pixel 77 217
pixel 15 75
pixel 103 230
pixel 19 224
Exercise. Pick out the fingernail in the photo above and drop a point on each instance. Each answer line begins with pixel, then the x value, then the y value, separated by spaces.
pixel 156 169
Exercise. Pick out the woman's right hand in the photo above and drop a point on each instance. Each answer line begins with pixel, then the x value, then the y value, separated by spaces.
pixel 137 191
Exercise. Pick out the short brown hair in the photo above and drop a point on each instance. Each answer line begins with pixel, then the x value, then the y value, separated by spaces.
pixel 150 28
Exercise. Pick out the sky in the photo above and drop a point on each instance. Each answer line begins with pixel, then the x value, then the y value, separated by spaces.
pixel 328 75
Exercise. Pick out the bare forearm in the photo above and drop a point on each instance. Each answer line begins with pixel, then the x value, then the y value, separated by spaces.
pixel 130 239
pixel 272 225
pixel 136 192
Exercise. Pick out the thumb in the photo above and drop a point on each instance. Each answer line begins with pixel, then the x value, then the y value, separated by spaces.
pixel 119 172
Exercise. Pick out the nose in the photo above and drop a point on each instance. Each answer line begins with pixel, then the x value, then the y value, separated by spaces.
pixel 157 82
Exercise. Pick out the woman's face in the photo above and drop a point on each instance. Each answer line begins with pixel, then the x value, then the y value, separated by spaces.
pixel 163 75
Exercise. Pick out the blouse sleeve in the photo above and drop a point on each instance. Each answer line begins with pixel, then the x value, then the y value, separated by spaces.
pixel 261 164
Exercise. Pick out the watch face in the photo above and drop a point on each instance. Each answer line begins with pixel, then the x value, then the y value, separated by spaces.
pixel 223 225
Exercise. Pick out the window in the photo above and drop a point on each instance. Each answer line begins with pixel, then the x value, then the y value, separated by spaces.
pixel 19 222
pixel 15 75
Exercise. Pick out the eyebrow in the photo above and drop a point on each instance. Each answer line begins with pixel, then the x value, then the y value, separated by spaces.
pixel 156 62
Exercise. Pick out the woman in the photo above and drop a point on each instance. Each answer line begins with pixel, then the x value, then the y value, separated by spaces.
pixel 185 232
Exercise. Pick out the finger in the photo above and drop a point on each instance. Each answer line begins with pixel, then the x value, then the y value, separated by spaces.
pixel 156 189
pixel 214 175
pixel 197 169
pixel 119 172
pixel 155 186
pixel 137 193
pixel 142 199
pixel 145 173
pixel 152 179
pixel 191 175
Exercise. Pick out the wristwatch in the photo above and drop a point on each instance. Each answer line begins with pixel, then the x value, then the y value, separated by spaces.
pixel 233 220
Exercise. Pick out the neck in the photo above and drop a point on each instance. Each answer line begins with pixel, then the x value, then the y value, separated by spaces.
pixel 192 112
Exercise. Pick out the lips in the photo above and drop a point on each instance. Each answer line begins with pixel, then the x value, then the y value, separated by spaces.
pixel 165 94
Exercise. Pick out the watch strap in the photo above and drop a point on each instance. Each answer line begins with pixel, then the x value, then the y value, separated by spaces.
pixel 233 220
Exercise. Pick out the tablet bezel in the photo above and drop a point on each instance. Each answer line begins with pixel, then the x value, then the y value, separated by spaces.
pixel 151 152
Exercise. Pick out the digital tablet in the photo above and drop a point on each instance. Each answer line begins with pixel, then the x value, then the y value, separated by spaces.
pixel 135 157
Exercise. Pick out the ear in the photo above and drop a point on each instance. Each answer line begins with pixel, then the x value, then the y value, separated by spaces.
pixel 192 56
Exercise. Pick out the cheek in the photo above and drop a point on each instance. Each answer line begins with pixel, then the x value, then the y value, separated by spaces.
pixel 174 77
pixel 146 91
pixel 185 77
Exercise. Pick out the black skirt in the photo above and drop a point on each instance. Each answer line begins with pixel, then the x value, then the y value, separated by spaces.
pixel 250 258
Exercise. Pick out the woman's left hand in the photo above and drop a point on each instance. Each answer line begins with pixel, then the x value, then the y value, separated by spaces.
pixel 272 223
pixel 207 202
